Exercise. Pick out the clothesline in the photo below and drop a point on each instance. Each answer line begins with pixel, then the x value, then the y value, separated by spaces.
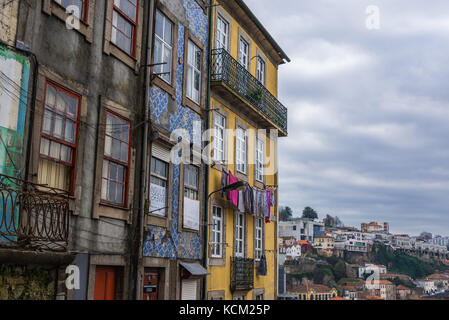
pixel 252 200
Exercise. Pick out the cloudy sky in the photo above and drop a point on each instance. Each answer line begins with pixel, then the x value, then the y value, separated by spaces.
pixel 368 110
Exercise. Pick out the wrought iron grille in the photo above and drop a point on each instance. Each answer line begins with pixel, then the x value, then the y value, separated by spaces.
pixel 234 75
pixel 33 216
pixel 242 274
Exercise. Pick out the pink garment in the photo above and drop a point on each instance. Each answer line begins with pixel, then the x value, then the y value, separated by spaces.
pixel 268 208
pixel 233 196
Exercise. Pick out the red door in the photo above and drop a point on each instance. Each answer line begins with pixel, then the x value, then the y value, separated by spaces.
pixel 150 285
pixel 105 283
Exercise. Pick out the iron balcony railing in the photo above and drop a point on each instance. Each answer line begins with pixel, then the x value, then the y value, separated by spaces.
pixel 32 217
pixel 237 78
pixel 242 274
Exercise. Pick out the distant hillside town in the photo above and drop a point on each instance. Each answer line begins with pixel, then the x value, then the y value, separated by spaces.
pixel 325 260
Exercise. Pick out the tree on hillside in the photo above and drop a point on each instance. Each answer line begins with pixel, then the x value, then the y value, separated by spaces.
pixel 285 213
pixel 309 213
pixel 340 270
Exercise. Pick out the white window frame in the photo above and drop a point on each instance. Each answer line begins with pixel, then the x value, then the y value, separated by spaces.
pixel 191 191
pixel 217 233
pixel 260 159
pixel 241 149
pixel 163 212
pixel 258 243
pixel 192 70
pixel 239 235
pixel 165 46
pixel 222 33
pixel 219 137
pixel 244 54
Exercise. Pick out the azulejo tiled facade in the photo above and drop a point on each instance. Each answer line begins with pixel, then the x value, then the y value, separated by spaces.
pixel 179 245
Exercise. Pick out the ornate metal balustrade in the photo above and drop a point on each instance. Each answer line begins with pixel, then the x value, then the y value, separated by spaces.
pixel 229 71
pixel 242 274
pixel 32 217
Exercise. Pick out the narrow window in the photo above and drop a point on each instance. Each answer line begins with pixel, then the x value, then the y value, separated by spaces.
pixel 259 239
pixel 158 187
pixel 81 12
pixel 219 137
pixel 194 63
pixel 217 232
pixel 239 234
pixel 163 47
pixel 191 178
pixel 222 34
pixel 244 53
pixel 58 138
pixel 260 159
pixel 124 25
pixel 260 70
pixel 115 160
pixel 241 150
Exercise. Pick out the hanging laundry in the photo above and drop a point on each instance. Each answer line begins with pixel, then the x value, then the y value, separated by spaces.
pixel 268 207
pixel 234 194
pixel 241 202
pixel 248 199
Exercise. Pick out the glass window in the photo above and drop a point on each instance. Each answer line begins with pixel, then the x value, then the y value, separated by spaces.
pixel 115 160
pixel 158 187
pixel 219 137
pixel 222 34
pixel 163 47
pixel 239 234
pixel 217 232
pixel 260 159
pixel 58 135
pixel 260 70
pixel 191 178
pixel 194 64
pixel 80 4
pixel 259 239
pixel 244 53
pixel 124 22
pixel 241 150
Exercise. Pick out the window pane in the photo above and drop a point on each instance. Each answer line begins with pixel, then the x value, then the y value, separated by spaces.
pixel 168 32
pixel 159 24
pixel 70 131
pixel 45 145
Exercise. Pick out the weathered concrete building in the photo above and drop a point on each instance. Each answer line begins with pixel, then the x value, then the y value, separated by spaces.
pixel 86 104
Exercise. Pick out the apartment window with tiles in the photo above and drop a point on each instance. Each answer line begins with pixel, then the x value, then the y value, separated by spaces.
pixel 260 159
pixel 191 182
pixel 244 53
pixel 219 137
pixel 217 232
pixel 115 160
pixel 194 63
pixel 163 47
pixel 239 234
pixel 241 150
pixel 260 70
pixel 258 246
pixel 58 138
pixel 222 34
pixel 81 5
pixel 124 25
pixel 159 186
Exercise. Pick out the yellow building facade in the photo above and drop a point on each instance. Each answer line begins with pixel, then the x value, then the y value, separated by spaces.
pixel 243 101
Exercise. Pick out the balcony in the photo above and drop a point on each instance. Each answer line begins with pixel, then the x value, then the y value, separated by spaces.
pixel 32 217
pixel 242 274
pixel 244 91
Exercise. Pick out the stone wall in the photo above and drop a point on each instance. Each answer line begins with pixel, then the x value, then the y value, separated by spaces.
pixel 27 282
pixel 8 20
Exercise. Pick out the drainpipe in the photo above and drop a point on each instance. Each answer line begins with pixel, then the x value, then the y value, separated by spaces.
pixel 206 203
pixel 147 126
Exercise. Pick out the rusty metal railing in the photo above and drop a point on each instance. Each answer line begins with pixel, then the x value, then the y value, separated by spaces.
pixel 32 216
pixel 242 274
